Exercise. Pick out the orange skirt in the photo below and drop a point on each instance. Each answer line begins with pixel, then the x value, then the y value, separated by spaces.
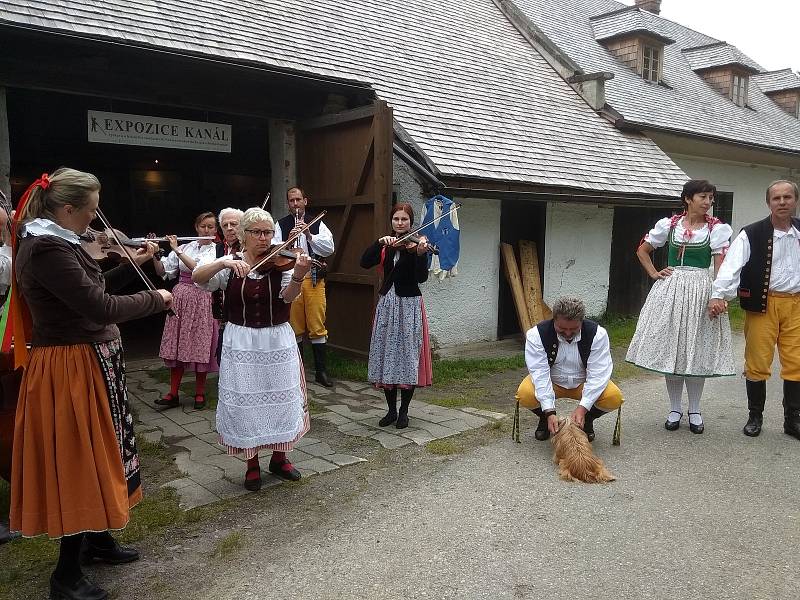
pixel 67 472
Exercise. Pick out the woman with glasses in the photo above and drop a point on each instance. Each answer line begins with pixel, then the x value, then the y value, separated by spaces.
pixel 675 334
pixel 190 335
pixel 262 391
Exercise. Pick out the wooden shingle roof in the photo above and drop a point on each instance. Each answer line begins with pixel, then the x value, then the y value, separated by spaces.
pixel 474 95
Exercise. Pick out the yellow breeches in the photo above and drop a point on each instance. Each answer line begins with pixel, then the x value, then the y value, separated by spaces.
pixel 610 399
pixel 307 315
pixel 762 331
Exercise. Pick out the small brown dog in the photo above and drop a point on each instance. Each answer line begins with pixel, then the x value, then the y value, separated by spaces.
pixel 574 456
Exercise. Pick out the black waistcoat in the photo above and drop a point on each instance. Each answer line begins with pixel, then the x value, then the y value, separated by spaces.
pixel 754 279
pixel 547 331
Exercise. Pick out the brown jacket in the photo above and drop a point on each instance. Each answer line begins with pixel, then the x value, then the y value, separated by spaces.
pixel 66 293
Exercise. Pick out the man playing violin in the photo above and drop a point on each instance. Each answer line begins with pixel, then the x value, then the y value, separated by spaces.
pixel 308 311
pixel 262 396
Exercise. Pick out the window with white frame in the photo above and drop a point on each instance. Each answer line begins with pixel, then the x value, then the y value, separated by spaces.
pixel 739 89
pixel 651 63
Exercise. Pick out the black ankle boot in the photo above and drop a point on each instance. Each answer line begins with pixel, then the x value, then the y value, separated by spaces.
pixel 588 422
pixel 319 365
pixel 791 408
pixel 542 432
pixel 756 397
pixel 402 415
pixel 82 589
pixel 102 547
pixel 391 402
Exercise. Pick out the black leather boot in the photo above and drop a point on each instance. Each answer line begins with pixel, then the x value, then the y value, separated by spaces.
pixel 405 401
pixel 391 402
pixel 542 432
pixel 791 408
pixel 319 365
pixel 102 547
pixel 756 397
pixel 588 421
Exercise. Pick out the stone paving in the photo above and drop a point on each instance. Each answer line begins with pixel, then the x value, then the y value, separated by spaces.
pixel 352 408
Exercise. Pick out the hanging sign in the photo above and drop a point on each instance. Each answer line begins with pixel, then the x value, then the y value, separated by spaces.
pixel 140 130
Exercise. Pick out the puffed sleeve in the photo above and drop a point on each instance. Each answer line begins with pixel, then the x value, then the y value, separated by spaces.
pixel 658 235
pixel 720 238
pixel 218 281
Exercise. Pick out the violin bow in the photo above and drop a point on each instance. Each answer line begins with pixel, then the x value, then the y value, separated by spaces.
pixel 431 222
pixel 266 201
pixel 288 241
pixel 134 264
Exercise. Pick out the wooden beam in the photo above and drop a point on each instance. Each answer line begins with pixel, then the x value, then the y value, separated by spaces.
pixel 512 276
pixel 348 116
pixel 531 280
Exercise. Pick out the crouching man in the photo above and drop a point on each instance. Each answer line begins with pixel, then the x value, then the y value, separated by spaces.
pixel 568 356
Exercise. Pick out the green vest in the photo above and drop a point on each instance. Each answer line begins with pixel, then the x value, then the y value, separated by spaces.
pixel 695 254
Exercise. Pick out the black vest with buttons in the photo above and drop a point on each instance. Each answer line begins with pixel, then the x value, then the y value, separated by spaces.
pixel 547 331
pixel 754 280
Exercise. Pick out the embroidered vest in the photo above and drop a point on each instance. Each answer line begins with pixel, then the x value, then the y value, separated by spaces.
pixel 754 280
pixel 442 233
pixel 547 331
pixel 255 302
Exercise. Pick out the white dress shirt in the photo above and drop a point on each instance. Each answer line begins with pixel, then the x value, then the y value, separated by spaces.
pixel 568 370
pixel 321 243
pixel 784 275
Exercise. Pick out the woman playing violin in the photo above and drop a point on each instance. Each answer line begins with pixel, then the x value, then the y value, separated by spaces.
pixel 75 470
pixel 399 351
pixel 191 336
pixel 262 392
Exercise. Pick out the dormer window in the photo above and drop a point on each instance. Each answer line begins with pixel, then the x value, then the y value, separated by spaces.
pixel 783 88
pixel 723 68
pixel 633 37
pixel 739 89
pixel 651 63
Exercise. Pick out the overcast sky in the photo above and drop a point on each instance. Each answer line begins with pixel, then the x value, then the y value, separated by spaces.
pixel 766 30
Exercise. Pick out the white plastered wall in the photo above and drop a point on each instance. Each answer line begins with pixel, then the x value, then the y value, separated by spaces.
pixel 748 182
pixel 578 253
pixel 461 309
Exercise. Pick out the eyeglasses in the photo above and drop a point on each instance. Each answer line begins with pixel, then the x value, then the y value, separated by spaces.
pixel 260 233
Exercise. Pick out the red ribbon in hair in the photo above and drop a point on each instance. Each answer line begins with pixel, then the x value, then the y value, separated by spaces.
pixel 43 181
pixel 19 315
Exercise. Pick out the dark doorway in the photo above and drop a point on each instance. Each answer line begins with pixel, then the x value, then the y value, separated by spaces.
pixel 628 284
pixel 145 189
pixel 519 220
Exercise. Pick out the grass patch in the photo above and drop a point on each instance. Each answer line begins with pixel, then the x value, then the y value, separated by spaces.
pixel 229 544
pixel 736 315
pixel 314 407
pixel 620 328
pixel 445 447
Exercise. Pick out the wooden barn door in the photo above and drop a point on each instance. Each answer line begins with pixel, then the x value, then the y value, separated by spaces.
pixel 344 163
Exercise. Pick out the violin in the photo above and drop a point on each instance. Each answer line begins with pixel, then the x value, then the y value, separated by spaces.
pixel 410 242
pixel 283 260
pixel 103 247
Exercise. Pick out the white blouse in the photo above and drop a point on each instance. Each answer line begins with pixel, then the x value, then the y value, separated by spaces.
pixel 720 235
pixel 200 254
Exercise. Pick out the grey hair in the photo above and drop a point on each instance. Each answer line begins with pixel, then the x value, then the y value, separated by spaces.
pixel 780 181
pixel 569 308
pixel 250 217
pixel 234 211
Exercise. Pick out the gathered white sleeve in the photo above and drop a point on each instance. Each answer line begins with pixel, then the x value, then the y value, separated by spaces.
pixel 658 235
pixel 172 264
pixel 322 242
pixel 726 284
pixel 5 268
pixel 277 237
pixel 720 238
pixel 539 368
pixel 286 279
pixel 219 281
pixel 598 369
